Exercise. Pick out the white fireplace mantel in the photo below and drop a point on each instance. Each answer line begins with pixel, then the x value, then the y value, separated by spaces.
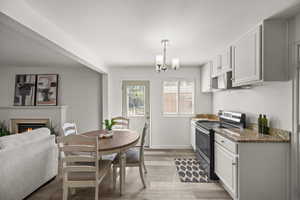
pixel 56 114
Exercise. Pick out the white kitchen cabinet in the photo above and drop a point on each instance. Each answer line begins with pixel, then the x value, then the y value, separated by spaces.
pixel 205 72
pixel 247 58
pixel 252 170
pixel 225 59
pixel 260 55
pixel 216 65
pixel 226 168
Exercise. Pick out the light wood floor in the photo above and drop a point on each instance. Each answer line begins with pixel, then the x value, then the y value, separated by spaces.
pixel 162 183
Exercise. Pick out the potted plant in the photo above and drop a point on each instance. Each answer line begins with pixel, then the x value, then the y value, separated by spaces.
pixel 108 124
pixel 3 129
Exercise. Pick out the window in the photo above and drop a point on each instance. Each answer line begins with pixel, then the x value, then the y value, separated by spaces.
pixel 135 100
pixel 178 97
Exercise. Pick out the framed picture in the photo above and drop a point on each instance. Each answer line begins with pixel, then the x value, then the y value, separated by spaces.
pixel 25 88
pixel 47 88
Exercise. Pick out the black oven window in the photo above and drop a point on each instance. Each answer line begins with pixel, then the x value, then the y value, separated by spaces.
pixel 203 143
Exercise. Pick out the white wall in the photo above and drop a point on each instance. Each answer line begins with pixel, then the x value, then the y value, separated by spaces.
pixel 165 131
pixel 79 89
pixel 273 99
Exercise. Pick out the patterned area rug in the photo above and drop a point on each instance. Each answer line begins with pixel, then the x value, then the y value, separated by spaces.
pixel 189 170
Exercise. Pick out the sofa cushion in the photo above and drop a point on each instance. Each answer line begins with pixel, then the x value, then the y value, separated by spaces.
pixel 14 140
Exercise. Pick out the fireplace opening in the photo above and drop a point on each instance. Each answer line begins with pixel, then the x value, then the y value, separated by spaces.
pixel 25 127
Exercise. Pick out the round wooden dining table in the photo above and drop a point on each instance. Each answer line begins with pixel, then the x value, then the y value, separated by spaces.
pixel 120 142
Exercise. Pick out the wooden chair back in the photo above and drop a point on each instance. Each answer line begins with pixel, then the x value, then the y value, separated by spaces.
pixel 75 160
pixel 69 128
pixel 121 122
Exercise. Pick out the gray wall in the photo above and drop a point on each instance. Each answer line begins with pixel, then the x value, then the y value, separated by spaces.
pixel 79 89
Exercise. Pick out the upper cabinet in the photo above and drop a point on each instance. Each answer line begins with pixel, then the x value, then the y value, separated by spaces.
pixel 205 73
pixel 260 55
pixel 247 58
pixel 221 63
pixel 226 60
pixel 216 65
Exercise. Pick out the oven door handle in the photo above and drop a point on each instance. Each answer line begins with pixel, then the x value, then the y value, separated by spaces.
pixel 202 130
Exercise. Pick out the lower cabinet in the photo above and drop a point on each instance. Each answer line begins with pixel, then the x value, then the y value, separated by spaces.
pixel 253 170
pixel 226 168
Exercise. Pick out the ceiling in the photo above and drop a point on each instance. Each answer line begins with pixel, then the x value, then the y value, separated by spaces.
pixel 20 49
pixel 128 32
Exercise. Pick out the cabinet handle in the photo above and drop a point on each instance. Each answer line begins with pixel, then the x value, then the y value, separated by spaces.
pixel 222 141
pixel 233 163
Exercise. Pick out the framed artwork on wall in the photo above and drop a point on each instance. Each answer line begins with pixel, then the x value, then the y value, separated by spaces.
pixel 25 89
pixel 47 89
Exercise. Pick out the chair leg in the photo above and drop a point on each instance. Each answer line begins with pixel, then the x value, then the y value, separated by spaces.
pixel 114 177
pixel 65 192
pixel 142 175
pixel 96 191
pixel 145 170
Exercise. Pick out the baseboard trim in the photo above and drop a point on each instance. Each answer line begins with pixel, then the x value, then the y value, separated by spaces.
pixel 170 147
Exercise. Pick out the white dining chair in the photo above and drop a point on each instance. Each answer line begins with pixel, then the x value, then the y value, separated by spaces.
pixel 121 122
pixel 69 128
pixel 81 170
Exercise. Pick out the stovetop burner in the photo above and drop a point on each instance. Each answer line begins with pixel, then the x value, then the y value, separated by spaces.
pixel 208 125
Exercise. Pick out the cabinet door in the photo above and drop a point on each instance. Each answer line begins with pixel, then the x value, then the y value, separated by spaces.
pixel 206 77
pixel 226 168
pixel 226 60
pixel 247 58
pixel 216 66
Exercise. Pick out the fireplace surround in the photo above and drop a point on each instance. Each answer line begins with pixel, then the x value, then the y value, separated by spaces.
pixel 54 115
pixel 23 125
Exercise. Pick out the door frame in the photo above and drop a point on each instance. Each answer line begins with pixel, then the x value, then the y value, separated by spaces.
pixel 133 82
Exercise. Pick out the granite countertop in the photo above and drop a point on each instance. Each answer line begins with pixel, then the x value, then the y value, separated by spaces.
pixel 206 117
pixel 251 135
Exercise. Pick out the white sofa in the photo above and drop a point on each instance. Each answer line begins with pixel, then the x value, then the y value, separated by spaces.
pixel 27 161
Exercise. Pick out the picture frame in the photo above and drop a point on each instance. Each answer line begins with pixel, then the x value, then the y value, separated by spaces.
pixel 46 89
pixel 25 90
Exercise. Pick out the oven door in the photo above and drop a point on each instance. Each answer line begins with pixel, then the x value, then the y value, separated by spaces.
pixel 203 142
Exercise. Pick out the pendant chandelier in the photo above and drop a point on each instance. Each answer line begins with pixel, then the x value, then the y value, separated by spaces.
pixel 161 60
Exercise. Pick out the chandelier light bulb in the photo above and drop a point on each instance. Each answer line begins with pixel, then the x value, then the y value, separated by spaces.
pixel 175 63
pixel 159 60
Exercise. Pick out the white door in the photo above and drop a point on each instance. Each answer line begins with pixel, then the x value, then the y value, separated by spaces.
pixel 247 58
pixel 136 105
